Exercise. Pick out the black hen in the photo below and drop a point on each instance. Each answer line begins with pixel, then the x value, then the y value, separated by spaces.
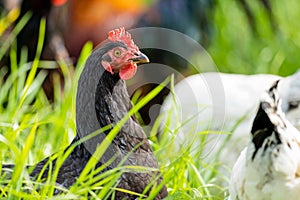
pixel 102 100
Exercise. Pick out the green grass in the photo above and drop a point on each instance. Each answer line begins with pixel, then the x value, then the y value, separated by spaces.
pixel 32 128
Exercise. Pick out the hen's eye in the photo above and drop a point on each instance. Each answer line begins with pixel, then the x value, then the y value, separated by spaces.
pixel 117 53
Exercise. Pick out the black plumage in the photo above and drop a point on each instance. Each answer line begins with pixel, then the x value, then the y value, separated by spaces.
pixel 102 99
pixel 111 104
pixel 263 127
pixel 110 109
pixel 71 167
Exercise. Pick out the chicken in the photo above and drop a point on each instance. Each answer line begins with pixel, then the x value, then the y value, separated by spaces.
pixel 225 103
pixel 102 100
pixel 269 167
pixel 111 103
pixel 89 21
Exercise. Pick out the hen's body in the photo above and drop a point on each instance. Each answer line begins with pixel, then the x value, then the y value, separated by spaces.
pixel 226 103
pixel 131 140
pixel 102 100
pixel 70 169
pixel 269 167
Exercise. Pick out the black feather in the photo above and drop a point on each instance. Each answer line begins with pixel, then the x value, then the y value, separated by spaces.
pixel 263 127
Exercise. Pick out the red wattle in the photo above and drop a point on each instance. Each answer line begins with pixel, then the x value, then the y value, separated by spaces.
pixel 127 72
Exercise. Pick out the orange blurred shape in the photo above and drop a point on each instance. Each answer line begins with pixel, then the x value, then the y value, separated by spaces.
pixel 92 19
pixel 96 11
pixel 58 2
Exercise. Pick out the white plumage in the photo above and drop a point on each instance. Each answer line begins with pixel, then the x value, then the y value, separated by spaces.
pixel 269 168
pixel 226 103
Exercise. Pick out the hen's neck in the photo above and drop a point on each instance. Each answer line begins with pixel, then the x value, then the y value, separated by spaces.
pixel 112 101
pixel 112 104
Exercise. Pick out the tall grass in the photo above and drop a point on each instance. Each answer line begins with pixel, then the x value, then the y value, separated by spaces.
pixel 32 128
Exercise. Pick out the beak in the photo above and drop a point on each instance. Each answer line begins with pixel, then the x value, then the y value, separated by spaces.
pixel 140 58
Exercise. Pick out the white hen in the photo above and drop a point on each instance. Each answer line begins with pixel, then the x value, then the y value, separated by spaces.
pixel 227 103
pixel 269 168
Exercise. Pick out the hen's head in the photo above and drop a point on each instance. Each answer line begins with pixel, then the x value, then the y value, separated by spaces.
pixel 124 56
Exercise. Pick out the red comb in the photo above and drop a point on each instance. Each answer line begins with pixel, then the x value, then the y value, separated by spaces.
pixel 122 36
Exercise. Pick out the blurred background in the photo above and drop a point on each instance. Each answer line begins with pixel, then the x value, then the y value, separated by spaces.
pixel 241 36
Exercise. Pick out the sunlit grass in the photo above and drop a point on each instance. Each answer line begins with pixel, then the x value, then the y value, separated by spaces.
pixel 32 127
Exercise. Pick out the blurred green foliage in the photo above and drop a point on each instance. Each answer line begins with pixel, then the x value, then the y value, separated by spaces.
pixel 236 48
